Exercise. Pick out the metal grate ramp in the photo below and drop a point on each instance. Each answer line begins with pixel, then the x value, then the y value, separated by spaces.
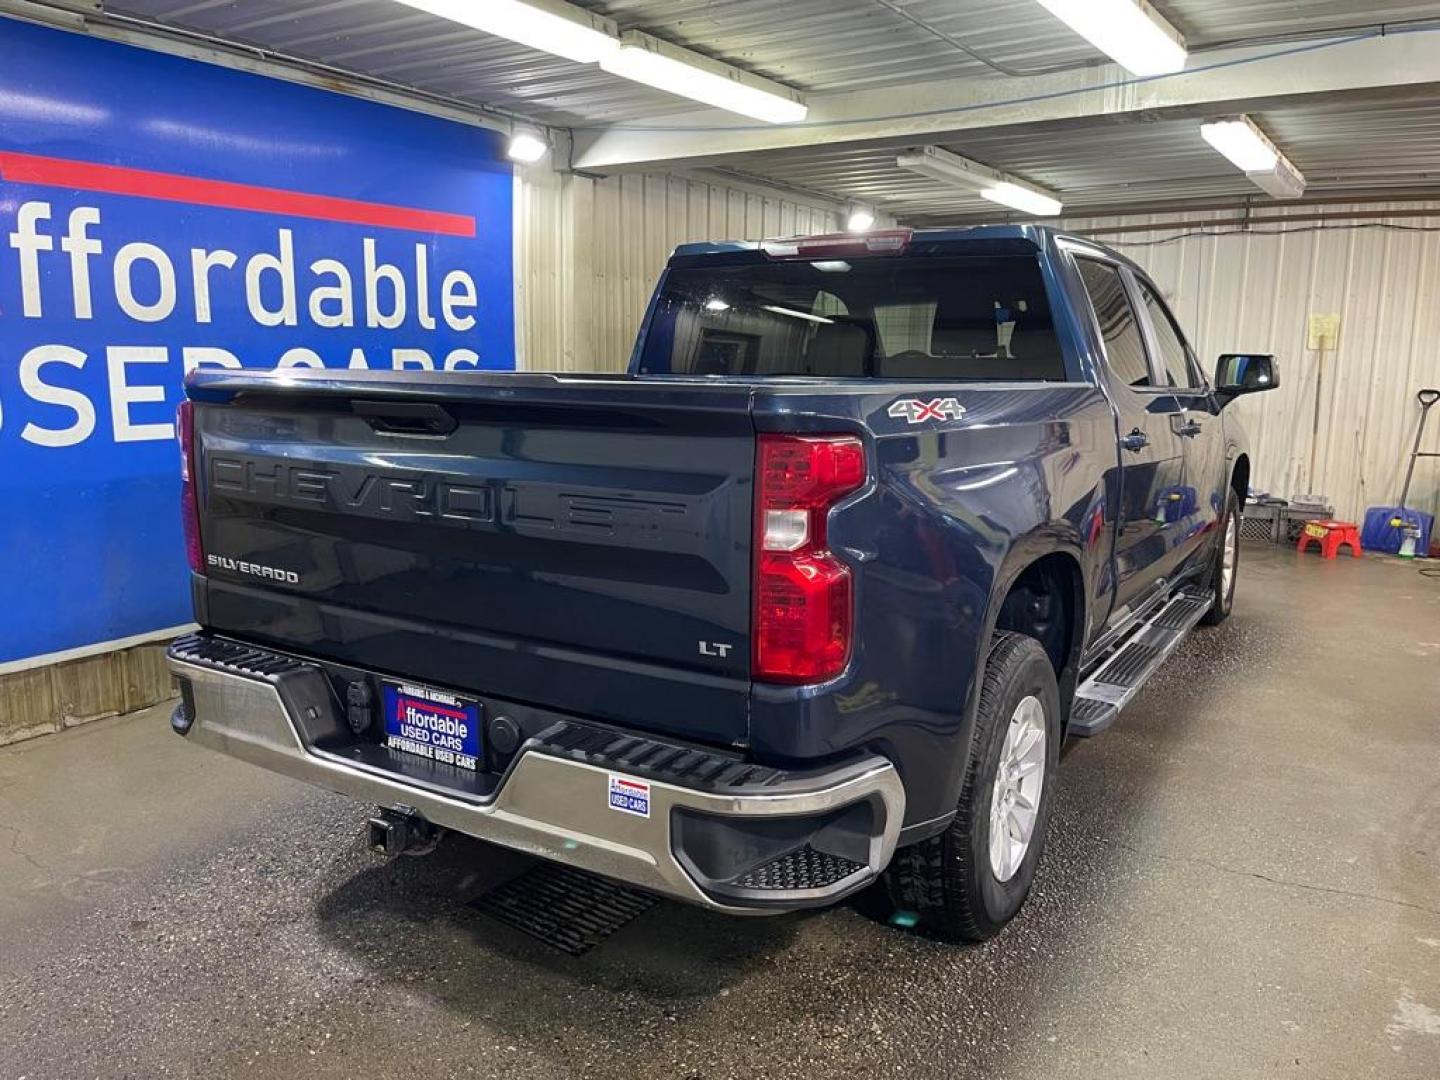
pixel 566 908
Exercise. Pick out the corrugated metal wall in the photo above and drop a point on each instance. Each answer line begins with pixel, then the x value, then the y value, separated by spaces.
pixel 1254 290
pixel 588 252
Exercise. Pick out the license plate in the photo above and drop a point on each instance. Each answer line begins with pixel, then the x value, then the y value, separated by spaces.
pixel 1316 531
pixel 434 724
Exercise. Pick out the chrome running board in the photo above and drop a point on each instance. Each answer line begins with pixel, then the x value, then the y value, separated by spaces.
pixel 1118 676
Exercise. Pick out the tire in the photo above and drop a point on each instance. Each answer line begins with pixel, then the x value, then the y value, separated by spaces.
pixel 950 881
pixel 1222 586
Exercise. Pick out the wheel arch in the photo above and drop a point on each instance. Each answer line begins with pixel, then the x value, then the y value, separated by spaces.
pixel 1240 478
pixel 1055 577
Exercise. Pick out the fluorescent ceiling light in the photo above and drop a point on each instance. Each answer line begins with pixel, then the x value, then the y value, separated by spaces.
pixel 1130 32
pixel 831 266
pixel 982 180
pixel 526 147
pixel 1019 198
pixel 716 304
pixel 648 60
pixel 547 25
pixel 1284 181
pixel 861 220
pixel 792 313
pixel 1249 149
pixel 557 27
pixel 1242 142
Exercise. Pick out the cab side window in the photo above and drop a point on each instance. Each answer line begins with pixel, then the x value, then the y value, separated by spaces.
pixel 1174 353
pixel 1124 347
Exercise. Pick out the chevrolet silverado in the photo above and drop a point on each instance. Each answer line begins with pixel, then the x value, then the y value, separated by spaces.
pixel 806 599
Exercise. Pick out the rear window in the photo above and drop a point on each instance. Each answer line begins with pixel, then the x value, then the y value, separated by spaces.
pixel 927 317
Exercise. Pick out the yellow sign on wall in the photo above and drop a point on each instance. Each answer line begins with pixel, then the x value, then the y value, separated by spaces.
pixel 1323 332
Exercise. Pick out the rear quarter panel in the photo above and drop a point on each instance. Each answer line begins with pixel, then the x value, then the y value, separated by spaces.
pixel 955 509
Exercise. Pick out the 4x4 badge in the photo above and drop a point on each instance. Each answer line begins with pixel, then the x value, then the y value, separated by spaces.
pixel 915 411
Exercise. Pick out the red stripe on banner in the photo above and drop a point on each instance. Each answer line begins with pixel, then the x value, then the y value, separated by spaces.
pixel 117 180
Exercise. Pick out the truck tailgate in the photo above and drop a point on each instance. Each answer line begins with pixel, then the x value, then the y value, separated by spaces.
pixel 578 543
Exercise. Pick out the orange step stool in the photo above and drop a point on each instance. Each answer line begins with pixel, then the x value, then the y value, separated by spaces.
pixel 1330 535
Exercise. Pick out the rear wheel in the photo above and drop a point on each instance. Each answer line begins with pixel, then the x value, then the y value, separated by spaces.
pixel 966 883
pixel 1227 564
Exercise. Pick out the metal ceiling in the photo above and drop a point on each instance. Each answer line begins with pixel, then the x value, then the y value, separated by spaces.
pixel 824 46
pixel 817 46
pixel 1102 164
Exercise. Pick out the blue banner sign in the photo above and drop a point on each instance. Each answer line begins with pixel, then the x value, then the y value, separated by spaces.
pixel 159 214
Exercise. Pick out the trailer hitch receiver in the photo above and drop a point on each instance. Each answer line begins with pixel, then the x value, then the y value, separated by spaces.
pixel 401 830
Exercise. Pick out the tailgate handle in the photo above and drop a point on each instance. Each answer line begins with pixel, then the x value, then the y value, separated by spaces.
pixel 406 417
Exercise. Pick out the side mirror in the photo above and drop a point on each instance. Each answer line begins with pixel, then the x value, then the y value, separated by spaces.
pixel 1245 373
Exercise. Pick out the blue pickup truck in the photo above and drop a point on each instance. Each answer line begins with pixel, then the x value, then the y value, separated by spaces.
pixel 808 598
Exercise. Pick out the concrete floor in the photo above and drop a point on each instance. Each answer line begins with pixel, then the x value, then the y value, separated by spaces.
pixel 1243 880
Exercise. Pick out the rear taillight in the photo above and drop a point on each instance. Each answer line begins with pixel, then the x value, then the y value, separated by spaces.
pixel 804 596
pixel 189 504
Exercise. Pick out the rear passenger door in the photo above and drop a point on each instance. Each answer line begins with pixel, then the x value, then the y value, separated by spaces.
pixel 1146 508
pixel 1198 423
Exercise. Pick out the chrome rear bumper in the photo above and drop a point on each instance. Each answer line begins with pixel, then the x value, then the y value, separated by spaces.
pixel 554 806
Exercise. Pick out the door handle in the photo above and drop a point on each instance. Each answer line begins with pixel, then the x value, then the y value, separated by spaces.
pixel 1136 441
pixel 1189 429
